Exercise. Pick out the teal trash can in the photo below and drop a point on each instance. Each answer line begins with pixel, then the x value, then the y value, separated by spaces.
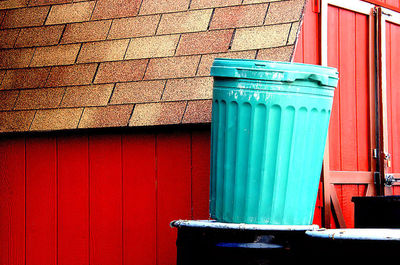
pixel 268 132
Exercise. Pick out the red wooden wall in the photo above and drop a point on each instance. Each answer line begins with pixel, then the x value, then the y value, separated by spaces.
pixel 308 51
pixel 100 198
pixel 348 42
pixel 391 4
pixel 350 136
pixel 349 139
pixel 393 96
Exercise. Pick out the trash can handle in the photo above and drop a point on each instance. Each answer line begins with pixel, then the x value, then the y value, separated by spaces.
pixel 320 78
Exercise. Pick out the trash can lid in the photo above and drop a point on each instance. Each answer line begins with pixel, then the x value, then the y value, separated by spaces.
pixel 274 71
pixel 376 234
pixel 236 226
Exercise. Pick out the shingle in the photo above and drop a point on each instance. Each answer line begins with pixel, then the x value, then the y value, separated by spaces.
pixel 138 92
pixel 276 54
pixel 172 67
pixel 284 11
pixel 83 96
pixel 293 33
pixel 15 58
pixel 78 74
pixel 68 13
pixel 56 119
pixel 115 8
pixel 196 4
pixel 205 42
pixel 261 37
pixel 134 27
pixel 245 2
pixel 198 111
pixel 39 36
pixel 163 6
pixel 7 99
pixel 16 121
pixel 188 89
pixel 25 17
pixel 13 4
pixel 8 38
pixel 151 47
pixel 110 116
pixel 189 21
pixel 39 98
pixel 238 16
pixel 150 114
pixel 86 31
pixel 25 78
pixel 121 71
pixel 48 2
pixel 103 51
pixel 55 55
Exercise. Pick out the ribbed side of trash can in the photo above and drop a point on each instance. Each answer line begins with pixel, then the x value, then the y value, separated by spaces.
pixel 269 127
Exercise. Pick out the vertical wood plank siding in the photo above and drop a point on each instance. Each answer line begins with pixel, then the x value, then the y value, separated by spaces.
pixel 349 124
pixel 349 133
pixel 308 51
pixel 393 96
pixel 100 198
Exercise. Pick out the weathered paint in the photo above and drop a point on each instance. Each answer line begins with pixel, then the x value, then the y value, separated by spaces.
pixel 240 226
pixel 357 234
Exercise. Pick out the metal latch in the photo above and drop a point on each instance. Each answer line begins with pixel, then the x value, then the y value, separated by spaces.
pixel 388 158
pixel 390 180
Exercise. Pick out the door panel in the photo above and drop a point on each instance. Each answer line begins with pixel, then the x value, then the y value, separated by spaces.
pixel 349 166
pixel 390 37
pixel 349 143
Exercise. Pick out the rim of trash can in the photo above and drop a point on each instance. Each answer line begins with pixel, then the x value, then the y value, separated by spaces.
pixel 361 234
pixel 274 71
pixel 240 226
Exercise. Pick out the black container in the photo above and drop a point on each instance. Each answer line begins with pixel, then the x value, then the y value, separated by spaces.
pixel 377 212
pixel 238 246
pixel 365 246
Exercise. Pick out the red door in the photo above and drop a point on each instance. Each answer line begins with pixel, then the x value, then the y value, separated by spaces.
pixel 390 52
pixel 342 34
pixel 347 45
pixel 338 35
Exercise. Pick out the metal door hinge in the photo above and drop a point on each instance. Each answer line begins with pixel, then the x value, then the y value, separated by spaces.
pixel 377 178
pixel 375 153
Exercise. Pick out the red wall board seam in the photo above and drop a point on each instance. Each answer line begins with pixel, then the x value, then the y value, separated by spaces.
pixel 12 201
pixel 347 96
pixel 362 92
pixel 105 171
pixel 333 60
pixel 173 190
pixel 200 174
pixel 41 211
pixel 139 199
pixel 393 94
pixel 73 200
